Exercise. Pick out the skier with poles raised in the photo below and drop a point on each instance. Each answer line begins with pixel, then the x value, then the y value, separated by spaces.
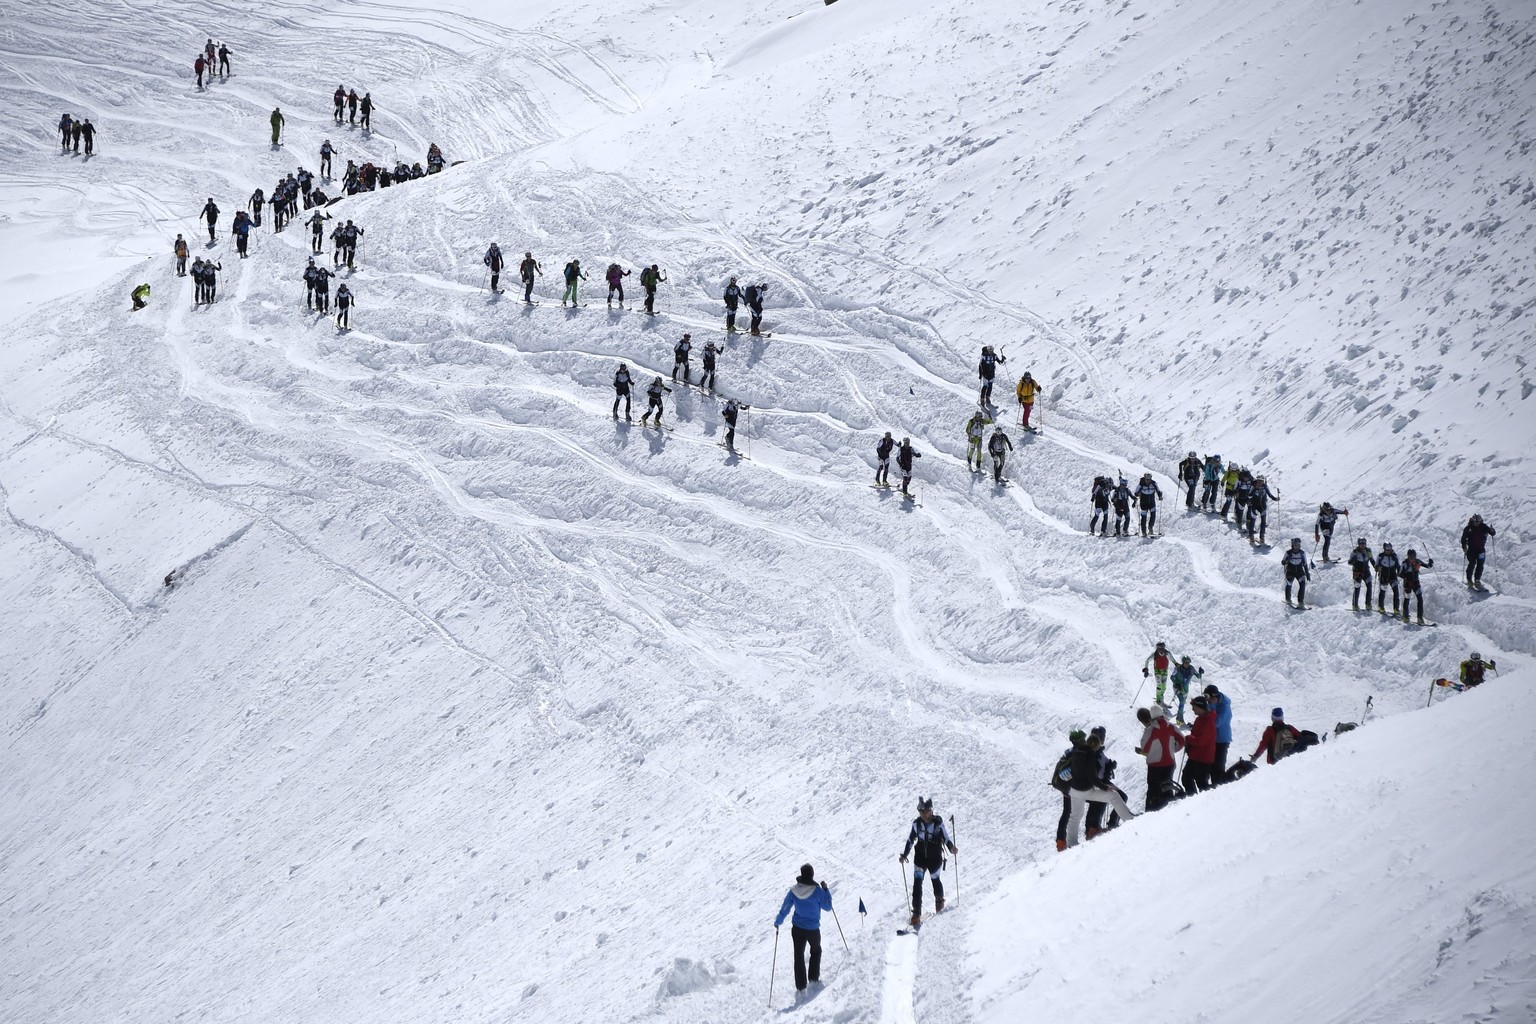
pixel 807 899
pixel 931 839
pixel 975 433
pixel 1322 530
pixel 1361 565
pixel 986 370
pixel 1298 570
pixel 1190 470
pixel 528 268
pixel 1474 544
pixel 998 446
pixel 1412 588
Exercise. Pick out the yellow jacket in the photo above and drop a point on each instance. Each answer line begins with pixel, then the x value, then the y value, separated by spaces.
pixel 1027 390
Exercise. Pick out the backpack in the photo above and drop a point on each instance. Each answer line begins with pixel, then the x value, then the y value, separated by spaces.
pixel 1061 775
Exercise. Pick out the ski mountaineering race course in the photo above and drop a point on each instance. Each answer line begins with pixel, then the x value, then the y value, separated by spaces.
pixel 386 672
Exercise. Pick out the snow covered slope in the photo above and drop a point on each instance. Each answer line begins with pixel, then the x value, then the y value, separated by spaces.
pixel 471 702
pixel 1387 877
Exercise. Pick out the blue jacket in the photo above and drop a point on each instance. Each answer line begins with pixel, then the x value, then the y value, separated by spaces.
pixel 808 902
pixel 1223 711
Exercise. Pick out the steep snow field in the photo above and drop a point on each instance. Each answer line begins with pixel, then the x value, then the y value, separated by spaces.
pixel 471 703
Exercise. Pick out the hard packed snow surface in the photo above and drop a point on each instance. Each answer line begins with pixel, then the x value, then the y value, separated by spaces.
pixel 469 702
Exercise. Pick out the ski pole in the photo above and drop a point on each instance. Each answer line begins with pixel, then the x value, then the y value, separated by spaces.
pixel 906 896
pixel 774 969
pixel 1143 686
pixel 749 431
pixel 840 927
pixel 956 836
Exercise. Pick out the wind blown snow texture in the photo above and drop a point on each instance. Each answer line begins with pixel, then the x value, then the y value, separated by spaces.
pixel 472 704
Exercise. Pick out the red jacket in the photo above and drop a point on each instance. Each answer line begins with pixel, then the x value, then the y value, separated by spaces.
pixel 1160 742
pixel 1202 739
pixel 1268 741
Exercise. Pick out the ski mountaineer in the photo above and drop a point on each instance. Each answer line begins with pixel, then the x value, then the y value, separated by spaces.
pixel 180 249
pixel 711 353
pixel 1278 739
pixel 931 839
pixel 323 290
pixel 1183 674
pixel 316 224
pixel 326 152
pixel 1099 496
pixel 883 460
pixel 66 124
pixel 1221 706
pixel 1086 789
pixel 616 276
pixel 653 400
pixel 527 269
pixel 258 198
pixel 277 125
pixel 241 226
pixel 1258 508
pixel 140 296
pixel 904 457
pixel 1322 530
pixel 1412 588
pixel 1241 495
pixel 1229 488
pixel 1473 668
pixel 339 99
pixel 343 308
pixel 1298 571
pixel 352 106
pixel 573 277
pixel 807 899
pixel 493 260
pixel 1026 392
pixel 198 66
pixel 224 51
pixel 434 158
pixel 1160 743
pixel 88 132
pixel 1190 471
pixel 997 446
pixel 74 134
pixel 1210 473
pixel 755 294
pixel 211 215
pixel 349 235
pixel 732 300
pixel 731 412
pixel 621 388
pixel 1122 501
pixel 650 277
pixel 337 245
pixel 1061 782
pixel 309 284
pixel 680 353
pixel 1387 567
pixel 1147 495
pixel 1474 545
pixel 211 280
pixel 365 108
pixel 1361 564
pixel 986 369
pixel 1201 748
pixel 975 433
pixel 1159 660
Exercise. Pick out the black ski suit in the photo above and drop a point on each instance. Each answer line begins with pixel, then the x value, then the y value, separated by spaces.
pixel 732 300
pixel 1323 528
pixel 931 840
pixel 1122 500
pixel 1296 571
pixel 998 446
pixel 883 466
pixel 211 215
pixel 904 457
pixel 1361 565
pixel 621 387
pixel 1387 567
pixel 1189 472
pixel 528 268
pixel 1412 589
pixel 493 260
pixel 1147 495
pixel 987 370
pixel 1474 544
pixel 1100 498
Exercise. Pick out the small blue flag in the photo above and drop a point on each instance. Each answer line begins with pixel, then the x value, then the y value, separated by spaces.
pixel 861 907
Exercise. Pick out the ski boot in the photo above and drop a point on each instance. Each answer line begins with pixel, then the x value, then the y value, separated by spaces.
pixel 1061 845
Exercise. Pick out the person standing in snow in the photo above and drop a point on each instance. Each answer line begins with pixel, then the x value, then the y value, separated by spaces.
pixel 711 353
pixel 1278 740
pixel 1027 391
pixel 615 278
pixel 931 839
pixel 732 411
pixel 316 224
pixel 732 299
pixel 326 152
pixel 904 461
pixel 1061 781
pixel 653 401
pixel 1190 471
pixel 1229 488
pixel 224 51
pixel 211 272
pixel 986 369
pixel 211 215
pixel 88 130
pixel 309 284
pixel 258 199
pixel 1099 496
pixel 198 66
pixel 1298 570
pixel 1412 588
pixel 339 98
pixel 343 308
pixel 998 446
pixel 1121 497
pixel 680 358
pixel 622 383
pixel 241 226
pixel 1201 747
pixel 1095 824
pixel 650 277
pixel 493 261
pixel 1147 496
pixel 180 248
pixel 1210 474
pixel 1387 567
pixel 573 277
pixel 1258 508
pixel 66 127
pixel 1361 564
pixel 1086 789
pixel 352 106
pixel 528 268
pixel 807 900
pixel 322 290
pixel 1160 744
pixel 883 448
pixel 1322 530
pixel 1474 545
pixel 1221 706
pixel 277 125
pixel 1158 660
pixel 365 108
pixel 1184 673
pixel 975 433
pixel 755 294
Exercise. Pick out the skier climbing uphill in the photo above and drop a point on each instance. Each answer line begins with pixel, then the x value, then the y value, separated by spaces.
pixel 1158 660
pixel 1298 570
pixel 930 839
pixel 807 900
pixel 987 370
pixel 975 433
pixel 1026 392
pixel 1190 471
pixel 904 457
pixel 998 446
pixel 1147 496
